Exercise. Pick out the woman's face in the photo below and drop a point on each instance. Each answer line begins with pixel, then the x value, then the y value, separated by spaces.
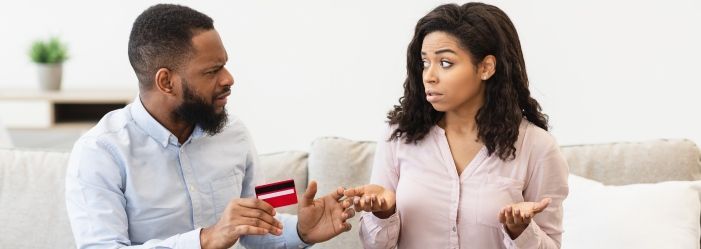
pixel 451 81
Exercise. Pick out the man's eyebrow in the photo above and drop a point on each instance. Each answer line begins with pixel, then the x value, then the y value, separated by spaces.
pixel 217 66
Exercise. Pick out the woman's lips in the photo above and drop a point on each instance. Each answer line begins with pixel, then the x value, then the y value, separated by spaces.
pixel 432 96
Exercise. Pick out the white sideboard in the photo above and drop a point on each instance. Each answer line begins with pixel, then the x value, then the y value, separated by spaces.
pixel 54 120
pixel 33 109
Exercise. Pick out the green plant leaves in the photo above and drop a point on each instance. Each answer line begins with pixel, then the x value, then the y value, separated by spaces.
pixel 48 52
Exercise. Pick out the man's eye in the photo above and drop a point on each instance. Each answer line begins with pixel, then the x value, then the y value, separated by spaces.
pixel 446 64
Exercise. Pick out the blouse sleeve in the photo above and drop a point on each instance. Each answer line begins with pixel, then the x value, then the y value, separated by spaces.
pixel 548 178
pixel 376 232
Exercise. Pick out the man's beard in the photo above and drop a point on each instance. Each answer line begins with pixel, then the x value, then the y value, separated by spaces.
pixel 195 110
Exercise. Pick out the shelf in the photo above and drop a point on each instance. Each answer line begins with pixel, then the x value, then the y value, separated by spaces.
pixel 70 96
pixel 25 109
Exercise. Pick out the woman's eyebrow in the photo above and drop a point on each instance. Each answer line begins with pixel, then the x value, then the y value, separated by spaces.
pixel 441 51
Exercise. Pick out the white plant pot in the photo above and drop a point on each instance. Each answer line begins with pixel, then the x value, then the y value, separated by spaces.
pixel 50 76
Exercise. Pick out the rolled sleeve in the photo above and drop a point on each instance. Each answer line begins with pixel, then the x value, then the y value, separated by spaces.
pixel 379 233
pixel 529 238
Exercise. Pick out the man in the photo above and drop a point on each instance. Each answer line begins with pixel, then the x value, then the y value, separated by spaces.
pixel 170 170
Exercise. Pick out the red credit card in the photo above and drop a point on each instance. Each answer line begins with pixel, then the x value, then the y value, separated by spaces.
pixel 278 194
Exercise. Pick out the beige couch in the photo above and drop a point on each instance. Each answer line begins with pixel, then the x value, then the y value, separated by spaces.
pixel 5 141
pixel 33 213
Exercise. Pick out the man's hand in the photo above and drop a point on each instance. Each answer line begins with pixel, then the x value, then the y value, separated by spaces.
pixel 241 217
pixel 516 217
pixel 324 218
pixel 372 198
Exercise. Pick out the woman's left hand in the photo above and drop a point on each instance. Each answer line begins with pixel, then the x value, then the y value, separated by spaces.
pixel 516 217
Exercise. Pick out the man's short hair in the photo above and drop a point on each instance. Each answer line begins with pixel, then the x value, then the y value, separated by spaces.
pixel 161 37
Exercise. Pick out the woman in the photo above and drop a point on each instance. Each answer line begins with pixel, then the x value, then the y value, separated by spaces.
pixel 467 161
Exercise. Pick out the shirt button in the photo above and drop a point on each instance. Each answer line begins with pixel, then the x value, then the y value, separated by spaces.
pixel 454 229
pixel 192 188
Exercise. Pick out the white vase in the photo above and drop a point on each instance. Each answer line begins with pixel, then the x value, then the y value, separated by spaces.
pixel 50 76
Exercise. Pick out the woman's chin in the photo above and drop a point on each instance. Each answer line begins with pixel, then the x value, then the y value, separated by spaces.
pixel 439 107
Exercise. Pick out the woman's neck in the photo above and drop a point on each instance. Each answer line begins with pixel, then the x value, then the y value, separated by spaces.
pixel 462 120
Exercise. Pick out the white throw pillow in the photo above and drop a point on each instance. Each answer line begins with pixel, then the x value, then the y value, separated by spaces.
pixel 639 216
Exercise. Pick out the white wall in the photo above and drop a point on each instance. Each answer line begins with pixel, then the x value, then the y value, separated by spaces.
pixel 603 70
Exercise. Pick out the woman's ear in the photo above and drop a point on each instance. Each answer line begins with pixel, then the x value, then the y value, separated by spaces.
pixel 487 67
pixel 164 81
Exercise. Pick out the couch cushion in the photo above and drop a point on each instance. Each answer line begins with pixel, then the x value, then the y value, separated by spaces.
pixel 636 162
pixel 32 205
pixel 337 162
pixel 659 215
pixel 282 166
pixel 5 141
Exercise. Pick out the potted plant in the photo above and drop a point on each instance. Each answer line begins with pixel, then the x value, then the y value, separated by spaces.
pixel 49 57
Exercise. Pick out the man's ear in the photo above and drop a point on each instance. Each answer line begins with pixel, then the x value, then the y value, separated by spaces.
pixel 487 67
pixel 164 81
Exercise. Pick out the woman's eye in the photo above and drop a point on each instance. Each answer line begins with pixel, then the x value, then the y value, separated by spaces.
pixel 446 64
pixel 425 64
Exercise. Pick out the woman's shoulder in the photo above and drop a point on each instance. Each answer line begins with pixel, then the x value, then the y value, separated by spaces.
pixel 390 129
pixel 535 140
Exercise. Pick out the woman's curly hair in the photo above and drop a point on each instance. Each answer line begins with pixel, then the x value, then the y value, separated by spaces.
pixel 482 30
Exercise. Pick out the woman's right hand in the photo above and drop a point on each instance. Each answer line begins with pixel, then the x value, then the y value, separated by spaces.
pixel 372 198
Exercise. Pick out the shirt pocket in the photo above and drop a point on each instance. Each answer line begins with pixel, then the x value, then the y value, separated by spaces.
pixel 225 189
pixel 494 193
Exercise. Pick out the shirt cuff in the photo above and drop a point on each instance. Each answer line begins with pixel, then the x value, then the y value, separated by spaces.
pixel 375 222
pixel 527 239
pixel 190 239
pixel 291 235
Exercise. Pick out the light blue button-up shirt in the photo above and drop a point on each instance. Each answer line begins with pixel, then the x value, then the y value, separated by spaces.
pixel 131 183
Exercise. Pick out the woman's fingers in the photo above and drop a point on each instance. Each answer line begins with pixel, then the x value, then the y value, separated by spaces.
pixel 502 215
pixel 363 203
pixel 357 203
pixel 367 198
pixel 517 216
pixel 525 214
pixel 369 201
pixel 374 204
pixel 540 206
pixel 521 213
pixel 509 215
pixel 353 192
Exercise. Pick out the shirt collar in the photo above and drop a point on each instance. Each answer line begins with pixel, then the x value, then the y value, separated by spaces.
pixel 155 129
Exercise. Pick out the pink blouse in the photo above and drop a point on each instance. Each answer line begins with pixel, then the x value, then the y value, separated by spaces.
pixel 437 208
